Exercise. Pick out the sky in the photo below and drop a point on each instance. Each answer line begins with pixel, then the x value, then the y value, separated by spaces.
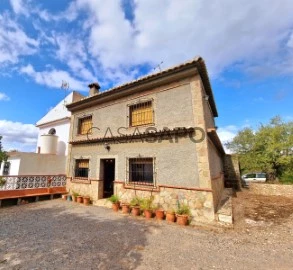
pixel 247 46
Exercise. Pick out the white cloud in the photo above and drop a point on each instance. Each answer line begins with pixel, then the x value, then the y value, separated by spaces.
pixel 16 135
pixel 53 78
pixel 19 7
pixel 73 53
pixel 107 44
pixel 223 32
pixel 226 134
pixel 4 97
pixel 14 42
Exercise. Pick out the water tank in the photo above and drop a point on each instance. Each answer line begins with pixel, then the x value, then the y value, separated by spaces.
pixel 49 144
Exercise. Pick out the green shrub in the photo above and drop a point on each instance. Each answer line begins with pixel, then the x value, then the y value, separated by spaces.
pixel 183 209
pixel 114 199
pixel 147 204
pixel 136 201
pixel 75 194
pixel 287 178
pixel 2 181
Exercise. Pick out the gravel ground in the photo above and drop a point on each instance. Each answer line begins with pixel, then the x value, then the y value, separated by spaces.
pixel 62 235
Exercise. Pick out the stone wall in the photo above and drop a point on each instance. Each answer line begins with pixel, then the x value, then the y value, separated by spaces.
pixel 271 189
pixel 217 187
pixel 199 201
pixel 232 172
pixel 91 188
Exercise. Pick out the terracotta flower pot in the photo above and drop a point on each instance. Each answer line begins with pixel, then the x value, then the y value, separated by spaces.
pixel 74 198
pixel 160 214
pixel 79 199
pixel 64 197
pixel 125 208
pixel 170 217
pixel 182 220
pixel 148 214
pixel 116 206
pixel 135 211
pixel 86 200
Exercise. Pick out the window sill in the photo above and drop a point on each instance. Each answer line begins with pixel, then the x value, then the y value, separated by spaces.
pixel 142 187
pixel 80 180
pixel 143 125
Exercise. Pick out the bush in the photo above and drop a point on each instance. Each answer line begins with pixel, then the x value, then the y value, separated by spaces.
pixel 147 204
pixel 75 194
pixel 114 199
pixel 287 178
pixel 136 201
pixel 2 181
pixel 183 209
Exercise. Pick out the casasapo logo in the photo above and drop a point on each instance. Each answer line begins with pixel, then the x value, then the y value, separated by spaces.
pixel 148 135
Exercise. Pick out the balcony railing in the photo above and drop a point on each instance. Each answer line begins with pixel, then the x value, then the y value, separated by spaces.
pixel 17 182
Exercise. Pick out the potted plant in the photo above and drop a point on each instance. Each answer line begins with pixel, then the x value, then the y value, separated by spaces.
pixel 135 205
pixel 125 208
pixel 147 206
pixel 160 213
pixel 182 214
pixel 114 199
pixel 86 200
pixel 64 197
pixel 79 199
pixel 74 196
pixel 170 215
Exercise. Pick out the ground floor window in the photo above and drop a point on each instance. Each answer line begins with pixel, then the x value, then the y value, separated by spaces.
pixel 141 170
pixel 6 169
pixel 82 168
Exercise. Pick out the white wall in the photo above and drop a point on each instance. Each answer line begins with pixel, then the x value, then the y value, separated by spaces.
pixel 62 131
pixel 14 166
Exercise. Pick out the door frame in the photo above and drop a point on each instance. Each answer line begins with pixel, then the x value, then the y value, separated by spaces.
pixel 102 172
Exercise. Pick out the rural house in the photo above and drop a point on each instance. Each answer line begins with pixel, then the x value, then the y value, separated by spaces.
pixel 152 136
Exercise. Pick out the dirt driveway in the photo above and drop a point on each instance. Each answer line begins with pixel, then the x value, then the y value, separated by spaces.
pixel 63 235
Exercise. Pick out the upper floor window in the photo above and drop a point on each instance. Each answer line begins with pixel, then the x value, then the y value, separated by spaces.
pixel 82 168
pixel 141 114
pixel 85 125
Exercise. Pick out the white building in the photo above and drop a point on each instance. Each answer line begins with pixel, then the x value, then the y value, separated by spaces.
pixel 57 120
pixel 52 145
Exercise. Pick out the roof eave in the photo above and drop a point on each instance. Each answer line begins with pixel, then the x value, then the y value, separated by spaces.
pixel 148 81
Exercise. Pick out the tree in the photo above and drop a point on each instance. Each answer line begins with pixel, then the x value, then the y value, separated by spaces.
pixel 268 149
pixel 3 154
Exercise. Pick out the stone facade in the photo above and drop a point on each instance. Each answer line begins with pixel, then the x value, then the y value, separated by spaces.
pixel 199 201
pixel 91 188
pixel 184 170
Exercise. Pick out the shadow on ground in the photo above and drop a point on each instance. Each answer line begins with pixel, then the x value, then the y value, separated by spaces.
pixel 43 236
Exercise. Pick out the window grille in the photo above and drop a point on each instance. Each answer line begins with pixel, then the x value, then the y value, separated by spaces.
pixel 82 168
pixel 141 170
pixel 141 114
pixel 85 125
pixel 6 168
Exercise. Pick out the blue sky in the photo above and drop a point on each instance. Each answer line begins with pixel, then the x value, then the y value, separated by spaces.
pixel 247 46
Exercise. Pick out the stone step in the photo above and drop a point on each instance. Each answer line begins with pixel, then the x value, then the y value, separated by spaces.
pixel 103 203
